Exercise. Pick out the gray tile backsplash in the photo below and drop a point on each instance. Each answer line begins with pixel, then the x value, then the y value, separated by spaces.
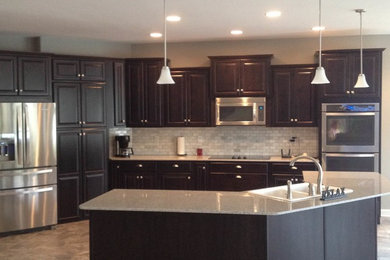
pixel 226 140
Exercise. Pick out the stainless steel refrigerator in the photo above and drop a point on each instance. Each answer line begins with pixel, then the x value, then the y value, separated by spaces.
pixel 28 160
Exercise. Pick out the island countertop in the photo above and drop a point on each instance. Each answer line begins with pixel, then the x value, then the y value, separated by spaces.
pixel 365 185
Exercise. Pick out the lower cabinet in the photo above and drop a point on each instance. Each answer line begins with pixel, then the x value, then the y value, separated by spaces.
pixel 176 176
pixel 81 162
pixel 237 176
pixel 133 175
pixel 280 173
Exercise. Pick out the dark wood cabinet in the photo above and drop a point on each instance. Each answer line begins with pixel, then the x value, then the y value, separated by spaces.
pixel 119 94
pixel 25 75
pixel 146 107
pixel 240 75
pixel 293 97
pixel 74 69
pixel 176 176
pixel 281 172
pixel 80 104
pixel 237 176
pixel 188 101
pixel 81 163
pixel 134 175
pixel 342 69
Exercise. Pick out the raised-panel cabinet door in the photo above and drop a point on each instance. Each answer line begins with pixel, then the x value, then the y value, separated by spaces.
pixel 372 70
pixel 119 92
pixel 337 71
pixel 198 98
pixel 254 77
pixel 34 76
pixel 8 82
pixel 134 92
pixel 225 77
pixel 69 152
pixel 94 150
pixel 176 114
pixel 282 97
pixel 93 104
pixel 68 198
pixel 67 99
pixel 146 181
pixel 66 69
pixel 94 185
pixel 177 181
pixel 153 109
pixel 304 97
pixel 92 70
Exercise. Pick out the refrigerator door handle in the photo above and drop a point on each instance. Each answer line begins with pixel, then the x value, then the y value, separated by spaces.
pixel 18 124
pixel 26 131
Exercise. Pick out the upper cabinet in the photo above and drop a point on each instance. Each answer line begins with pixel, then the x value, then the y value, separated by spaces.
pixel 119 93
pixel 24 75
pixel 293 97
pixel 145 108
pixel 240 75
pixel 188 100
pixel 76 69
pixel 342 69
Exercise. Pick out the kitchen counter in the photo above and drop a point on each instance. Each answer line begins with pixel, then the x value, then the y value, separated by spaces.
pixel 197 158
pixel 161 224
pixel 364 184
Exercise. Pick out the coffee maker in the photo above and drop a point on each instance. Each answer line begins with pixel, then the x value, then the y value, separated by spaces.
pixel 122 146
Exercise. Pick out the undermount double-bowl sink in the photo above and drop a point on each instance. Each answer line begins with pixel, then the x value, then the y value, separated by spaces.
pixel 300 192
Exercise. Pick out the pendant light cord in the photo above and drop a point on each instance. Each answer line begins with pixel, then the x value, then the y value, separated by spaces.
pixel 319 26
pixel 361 44
pixel 165 37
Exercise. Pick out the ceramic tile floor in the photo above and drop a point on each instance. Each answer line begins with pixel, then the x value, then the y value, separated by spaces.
pixel 70 241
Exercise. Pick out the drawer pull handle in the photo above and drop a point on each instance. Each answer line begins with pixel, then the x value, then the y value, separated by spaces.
pixel 238 177
pixel 238 166
pixel 175 165
pixel 140 165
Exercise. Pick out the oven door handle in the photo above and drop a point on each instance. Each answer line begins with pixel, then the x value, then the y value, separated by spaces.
pixel 349 154
pixel 350 113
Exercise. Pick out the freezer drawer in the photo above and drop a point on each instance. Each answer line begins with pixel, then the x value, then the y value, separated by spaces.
pixel 28 208
pixel 28 178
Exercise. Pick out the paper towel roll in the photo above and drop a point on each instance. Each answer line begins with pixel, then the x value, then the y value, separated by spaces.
pixel 181 149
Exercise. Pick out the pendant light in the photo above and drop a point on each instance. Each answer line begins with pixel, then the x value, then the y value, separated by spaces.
pixel 320 76
pixel 361 80
pixel 165 76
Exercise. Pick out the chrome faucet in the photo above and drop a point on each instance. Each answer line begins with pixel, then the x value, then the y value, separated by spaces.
pixel 319 168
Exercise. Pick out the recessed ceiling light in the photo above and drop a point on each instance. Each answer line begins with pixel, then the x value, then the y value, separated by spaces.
pixel 173 18
pixel 236 32
pixel 318 28
pixel 155 35
pixel 273 14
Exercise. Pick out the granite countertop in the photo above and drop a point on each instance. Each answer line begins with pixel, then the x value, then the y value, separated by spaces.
pixel 365 185
pixel 197 158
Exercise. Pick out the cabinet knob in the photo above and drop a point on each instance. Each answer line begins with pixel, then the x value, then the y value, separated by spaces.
pixel 242 90
pixel 141 177
pixel 79 75
pixel 83 122
pixel 145 121
pixel 117 166
pixel 188 120
pixel 80 122
pixel 185 120
pixel 352 91
pixel 16 90
pixel 348 91
pixel 82 75
pixel 296 120
pixel 189 178
pixel 238 90
pixel 238 177
pixel 292 119
pixel 175 165
pixel 20 90
pixel 123 121
pixel 80 134
pixel 292 179
pixel 296 179
pixel 140 165
pixel 238 166
pixel 142 120
pixel 204 168
pixel 83 133
pixel 137 177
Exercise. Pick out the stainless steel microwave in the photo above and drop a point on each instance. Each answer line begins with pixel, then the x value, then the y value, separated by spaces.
pixel 240 111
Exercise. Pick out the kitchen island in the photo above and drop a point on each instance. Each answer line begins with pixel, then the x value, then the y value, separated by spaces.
pixel 156 224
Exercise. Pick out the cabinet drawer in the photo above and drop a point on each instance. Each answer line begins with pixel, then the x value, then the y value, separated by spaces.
pixel 285 168
pixel 137 166
pixel 239 167
pixel 173 166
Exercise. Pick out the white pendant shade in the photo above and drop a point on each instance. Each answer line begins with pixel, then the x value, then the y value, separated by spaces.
pixel 320 77
pixel 165 76
pixel 361 82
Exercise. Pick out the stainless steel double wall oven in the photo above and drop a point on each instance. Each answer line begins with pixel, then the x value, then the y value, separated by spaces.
pixel 350 136
pixel 28 173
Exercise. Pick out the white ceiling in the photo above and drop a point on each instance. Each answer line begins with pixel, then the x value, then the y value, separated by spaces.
pixel 133 20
